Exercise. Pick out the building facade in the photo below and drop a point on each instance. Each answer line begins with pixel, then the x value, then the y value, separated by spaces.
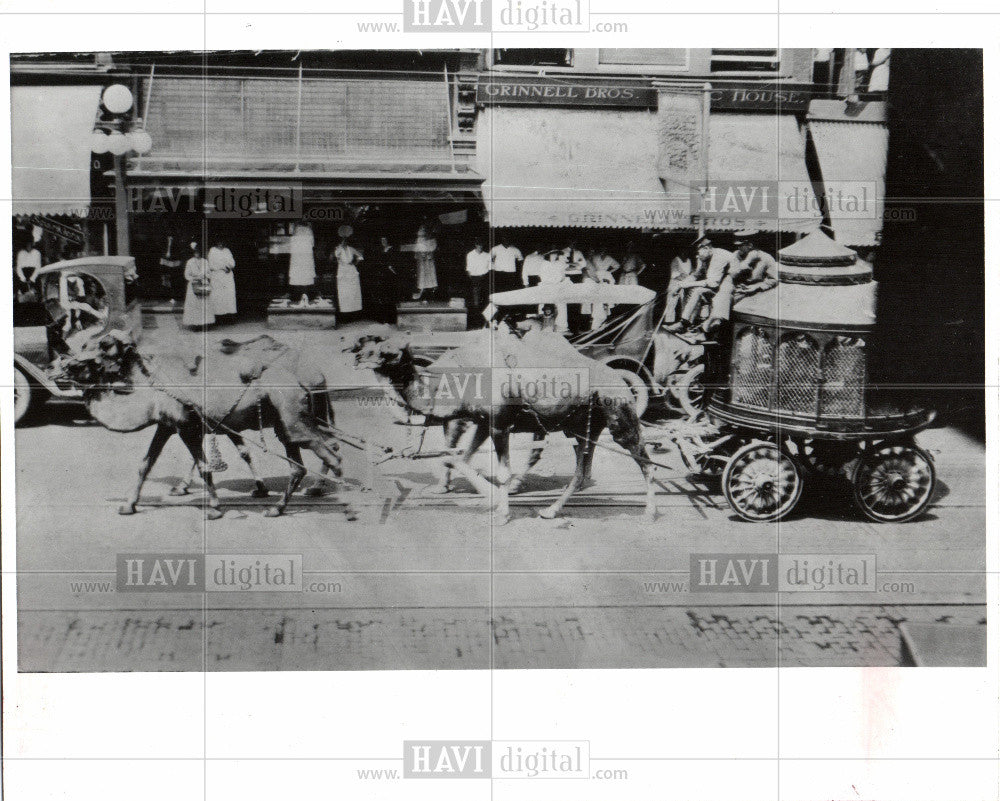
pixel 599 147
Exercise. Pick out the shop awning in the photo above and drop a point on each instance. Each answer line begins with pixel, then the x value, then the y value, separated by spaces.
pixel 593 168
pixel 314 126
pixel 50 148
pixel 757 150
pixel 852 159
pixel 598 168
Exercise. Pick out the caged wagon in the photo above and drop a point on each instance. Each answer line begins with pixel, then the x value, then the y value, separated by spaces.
pixel 790 396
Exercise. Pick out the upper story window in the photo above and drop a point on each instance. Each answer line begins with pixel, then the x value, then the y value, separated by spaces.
pixel 669 58
pixel 757 60
pixel 532 57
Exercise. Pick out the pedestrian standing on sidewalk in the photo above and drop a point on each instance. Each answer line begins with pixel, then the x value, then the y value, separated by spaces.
pixel 423 252
pixel 198 311
pixel 553 271
pixel 380 282
pixel 302 265
pixel 220 271
pixel 348 280
pixel 477 266
pixel 505 258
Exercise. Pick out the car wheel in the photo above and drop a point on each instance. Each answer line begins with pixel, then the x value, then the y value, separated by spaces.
pixel 25 396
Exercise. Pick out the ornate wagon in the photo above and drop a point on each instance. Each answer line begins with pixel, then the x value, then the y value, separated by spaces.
pixel 793 395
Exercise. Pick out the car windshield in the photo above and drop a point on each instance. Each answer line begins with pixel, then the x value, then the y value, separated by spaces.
pixel 78 303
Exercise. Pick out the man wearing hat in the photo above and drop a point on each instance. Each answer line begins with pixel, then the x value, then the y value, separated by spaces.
pixel 696 287
pixel 749 271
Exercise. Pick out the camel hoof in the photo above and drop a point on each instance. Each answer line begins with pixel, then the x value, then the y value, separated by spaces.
pixel 272 511
pixel 260 492
pixel 515 487
pixel 212 513
pixel 178 491
pixel 126 509
pixel 501 519
pixel 441 489
pixel 314 492
pixel 548 513
pixel 649 517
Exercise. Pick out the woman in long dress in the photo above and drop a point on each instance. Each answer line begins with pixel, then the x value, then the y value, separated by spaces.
pixel 348 280
pixel 423 252
pixel 220 269
pixel 197 306
pixel 301 264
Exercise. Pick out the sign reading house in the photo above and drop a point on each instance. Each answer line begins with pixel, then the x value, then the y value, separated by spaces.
pixel 532 91
pixel 782 99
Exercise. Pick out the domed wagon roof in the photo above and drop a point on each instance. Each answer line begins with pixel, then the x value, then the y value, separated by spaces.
pixel 820 283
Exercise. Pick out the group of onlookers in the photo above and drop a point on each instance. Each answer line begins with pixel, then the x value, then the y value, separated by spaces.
pixel 211 287
pixel 700 292
pixel 505 267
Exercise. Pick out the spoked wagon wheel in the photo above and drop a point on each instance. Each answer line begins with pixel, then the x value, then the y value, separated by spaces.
pixel 761 482
pixel 894 483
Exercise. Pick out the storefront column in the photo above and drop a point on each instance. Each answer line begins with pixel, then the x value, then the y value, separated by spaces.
pixel 122 233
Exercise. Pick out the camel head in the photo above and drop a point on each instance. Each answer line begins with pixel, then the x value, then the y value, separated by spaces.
pixel 381 354
pixel 107 363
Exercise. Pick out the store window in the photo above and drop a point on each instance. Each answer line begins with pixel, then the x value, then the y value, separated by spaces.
pixel 675 58
pixel 532 57
pixel 762 61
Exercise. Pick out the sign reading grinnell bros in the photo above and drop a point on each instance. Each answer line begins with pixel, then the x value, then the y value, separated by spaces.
pixel 505 90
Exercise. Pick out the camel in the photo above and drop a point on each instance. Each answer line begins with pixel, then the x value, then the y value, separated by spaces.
pixel 245 386
pixel 458 392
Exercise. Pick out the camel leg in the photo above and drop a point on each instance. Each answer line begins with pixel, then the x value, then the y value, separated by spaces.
pixel 453 431
pixel 260 491
pixel 501 443
pixel 329 468
pixel 294 478
pixel 588 462
pixel 160 437
pixel 192 438
pixel 534 455
pixel 185 484
pixel 626 431
pixel 581 457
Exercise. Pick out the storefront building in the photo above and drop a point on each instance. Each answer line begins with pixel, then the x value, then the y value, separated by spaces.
pixel 608 147
pixel 601 148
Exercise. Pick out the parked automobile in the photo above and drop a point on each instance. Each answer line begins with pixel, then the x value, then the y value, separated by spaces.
pixel 71 304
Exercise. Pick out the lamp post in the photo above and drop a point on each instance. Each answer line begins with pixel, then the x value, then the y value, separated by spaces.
pixel 114 133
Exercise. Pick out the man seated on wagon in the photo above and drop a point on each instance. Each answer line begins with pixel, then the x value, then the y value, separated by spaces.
pixel 749 271
pixel 693 289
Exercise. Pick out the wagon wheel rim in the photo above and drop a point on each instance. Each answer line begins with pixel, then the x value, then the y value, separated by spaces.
pixel 761 482
pixel 894 483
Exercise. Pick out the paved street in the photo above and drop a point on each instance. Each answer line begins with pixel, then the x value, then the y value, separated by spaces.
pixel 412 582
